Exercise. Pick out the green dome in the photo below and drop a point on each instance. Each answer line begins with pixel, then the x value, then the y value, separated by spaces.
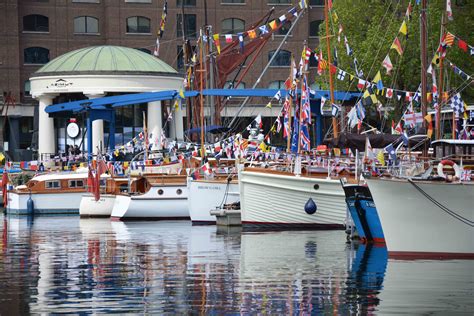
pixel 106 59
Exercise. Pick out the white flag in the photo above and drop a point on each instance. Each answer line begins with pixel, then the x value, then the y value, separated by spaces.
pixel 387 63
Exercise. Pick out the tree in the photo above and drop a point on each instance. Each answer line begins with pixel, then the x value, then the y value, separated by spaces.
pixel 371 27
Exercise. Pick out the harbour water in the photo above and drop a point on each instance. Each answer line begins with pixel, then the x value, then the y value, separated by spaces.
pixel 71 265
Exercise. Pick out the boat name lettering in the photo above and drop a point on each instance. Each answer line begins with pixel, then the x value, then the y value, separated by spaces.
pixel 206 187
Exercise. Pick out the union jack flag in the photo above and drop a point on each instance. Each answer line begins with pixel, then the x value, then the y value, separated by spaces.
pixel 466 175
pixel 305 105
pixel 304 136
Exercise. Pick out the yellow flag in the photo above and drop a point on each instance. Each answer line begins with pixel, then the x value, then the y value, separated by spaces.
pixel 429 120
pixel 380 157
pixel 269 105
pixel 176 105
pixel 337 152
pixel 403 28
pixel 378 77
pixel 335 17
pixel 181 93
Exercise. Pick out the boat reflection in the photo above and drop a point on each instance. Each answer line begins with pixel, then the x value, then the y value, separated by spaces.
pixel 67 265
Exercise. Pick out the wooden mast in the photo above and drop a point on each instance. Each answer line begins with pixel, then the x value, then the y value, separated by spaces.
pixel 440 84
pixel 201 99
pixel 424 62
pixel 331 79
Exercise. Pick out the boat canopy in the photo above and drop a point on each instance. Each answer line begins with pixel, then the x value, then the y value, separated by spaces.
pixel 357 141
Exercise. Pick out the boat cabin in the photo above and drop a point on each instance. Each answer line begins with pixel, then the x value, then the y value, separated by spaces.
pixel 453 149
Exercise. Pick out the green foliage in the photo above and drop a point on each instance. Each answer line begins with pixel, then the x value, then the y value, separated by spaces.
pixel 371 26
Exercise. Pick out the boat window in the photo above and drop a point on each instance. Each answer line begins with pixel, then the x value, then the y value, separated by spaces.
pixel 53 184
pixel 160 192
pixel 76 183
pixel 179 191
pixel 102 182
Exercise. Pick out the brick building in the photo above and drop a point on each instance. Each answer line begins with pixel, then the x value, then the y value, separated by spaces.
pixel 34 32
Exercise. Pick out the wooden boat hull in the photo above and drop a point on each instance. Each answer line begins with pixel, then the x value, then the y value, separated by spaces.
pixel 89 207
pixel 270 200
pixel 44 203
pixel 414 227
pixel 153 206
pixel 206 195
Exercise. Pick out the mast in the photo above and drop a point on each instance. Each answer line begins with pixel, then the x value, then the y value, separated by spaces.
pixel 303 77
pixel 424 67
pixel 440 83
pixel 201 98
pixel 331 79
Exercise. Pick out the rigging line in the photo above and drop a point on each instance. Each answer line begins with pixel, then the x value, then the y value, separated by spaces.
pixel 441 206
pixel 367 52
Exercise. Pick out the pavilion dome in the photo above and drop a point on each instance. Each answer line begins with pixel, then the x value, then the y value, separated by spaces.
pixel 104 60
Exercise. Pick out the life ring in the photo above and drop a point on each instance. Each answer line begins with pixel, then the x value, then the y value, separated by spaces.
pixel 457 170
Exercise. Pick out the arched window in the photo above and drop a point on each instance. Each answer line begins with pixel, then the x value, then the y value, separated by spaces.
pixel 138 24
pixel 314 27
pixel 36 55
pixel 233 26
pixel 228 85
pixel 35 23
pixel 277 84
pixel 283 30
pixel 282 59
pixel 144 50
pixel 86 24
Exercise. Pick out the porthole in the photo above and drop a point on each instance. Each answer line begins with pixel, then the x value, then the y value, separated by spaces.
pixel 179 191
pixel 160 192
pixel 316 186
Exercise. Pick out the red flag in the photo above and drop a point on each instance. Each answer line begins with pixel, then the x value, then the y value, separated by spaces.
pixel 462 45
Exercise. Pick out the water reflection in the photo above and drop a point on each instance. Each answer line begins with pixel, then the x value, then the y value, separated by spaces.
pixel 66 264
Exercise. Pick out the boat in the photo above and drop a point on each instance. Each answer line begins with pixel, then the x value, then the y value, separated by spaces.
pixel 90 207
pixel 153 197
pixel 51 193
pixel 429 217
pixel 206 195
pixel 272 199
pixel 363 212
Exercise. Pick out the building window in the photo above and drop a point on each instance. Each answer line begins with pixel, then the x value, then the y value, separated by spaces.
pixel 232 26
pixel 279 1
pixel 86 24
pixel 138 24
pixel 144 50
pixel 87 1
pixel 316 2
pixel 76 183
pixel 187 3
pixel 138 1
pixel 27 87
pixel 230 85
pixel 282 59
pixel 189 25
pixel 314 27
pixel 277 84
pixel 35 23
pixel 52 184
pixel 283 30
pixel 36 55
pixel 233 1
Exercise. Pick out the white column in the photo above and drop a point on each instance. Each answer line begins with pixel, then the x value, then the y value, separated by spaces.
pixel 176 124
pixel 154 124
pixel 97 128
pixel 46 139
pixel 178 117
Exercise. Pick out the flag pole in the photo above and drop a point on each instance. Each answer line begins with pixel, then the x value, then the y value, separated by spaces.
pixel 331 80
pixel 203 153
pixel 290 107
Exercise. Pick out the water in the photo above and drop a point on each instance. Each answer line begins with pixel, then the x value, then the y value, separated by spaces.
pixel 72 265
